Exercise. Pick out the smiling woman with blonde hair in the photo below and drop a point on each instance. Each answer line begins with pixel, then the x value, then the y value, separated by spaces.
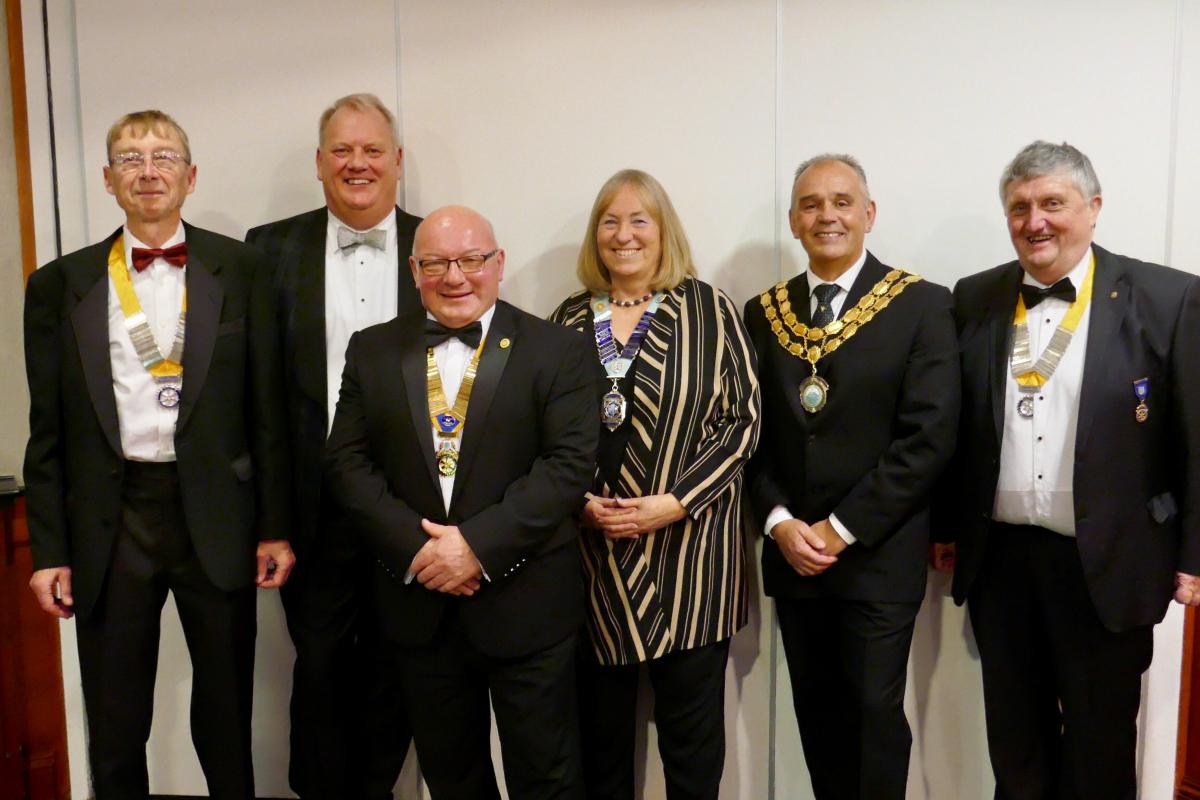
pixel 661 538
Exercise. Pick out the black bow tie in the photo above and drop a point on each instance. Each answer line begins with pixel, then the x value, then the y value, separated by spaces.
pixel 436 333
pixel 1035 294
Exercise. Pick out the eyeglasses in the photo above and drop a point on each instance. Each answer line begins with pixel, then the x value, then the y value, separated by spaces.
pixel 435 267
pixel 164 160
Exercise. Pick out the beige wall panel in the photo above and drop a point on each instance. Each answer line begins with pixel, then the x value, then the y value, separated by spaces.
pixel 522 111
pixel 935 97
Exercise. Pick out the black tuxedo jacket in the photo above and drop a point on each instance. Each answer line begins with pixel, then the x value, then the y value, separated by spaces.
pixel 874 452
pixel 528 453
pixel 296 249
pixel 1136 485
pixel 229 439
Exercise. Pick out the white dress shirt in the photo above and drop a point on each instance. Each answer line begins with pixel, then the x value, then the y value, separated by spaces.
pixel 1037 454
pixel 147 428
pixel 844 282
pixel 452 357
pixel 361 284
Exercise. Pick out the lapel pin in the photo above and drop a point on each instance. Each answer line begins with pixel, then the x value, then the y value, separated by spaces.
pixel 505 342
pixel 1113 296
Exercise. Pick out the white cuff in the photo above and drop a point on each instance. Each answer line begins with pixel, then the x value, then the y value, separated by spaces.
pixel 842 530
pixel 778 514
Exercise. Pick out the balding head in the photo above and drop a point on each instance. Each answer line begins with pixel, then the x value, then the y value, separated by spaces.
pixel 456 297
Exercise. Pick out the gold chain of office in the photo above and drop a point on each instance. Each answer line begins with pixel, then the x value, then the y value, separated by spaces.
pixel 812 343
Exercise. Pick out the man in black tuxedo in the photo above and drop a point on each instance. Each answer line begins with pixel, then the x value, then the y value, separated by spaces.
pixel 157 460
pixel 338 269
pixel 1073 495
pixel 860 386
pixel 461 465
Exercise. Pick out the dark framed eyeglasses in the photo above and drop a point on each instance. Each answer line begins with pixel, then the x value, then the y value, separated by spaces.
pixel 434 267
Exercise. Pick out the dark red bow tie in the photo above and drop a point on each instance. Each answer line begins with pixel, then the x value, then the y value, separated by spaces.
pixel 144 256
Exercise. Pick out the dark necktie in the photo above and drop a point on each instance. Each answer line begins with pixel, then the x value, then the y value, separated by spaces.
pixel 144 256
pixel 436 333
pixel 1035 294
pixel 376 237
pixel 824 313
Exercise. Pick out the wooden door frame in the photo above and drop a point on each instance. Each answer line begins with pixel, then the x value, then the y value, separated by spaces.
pixel 20 116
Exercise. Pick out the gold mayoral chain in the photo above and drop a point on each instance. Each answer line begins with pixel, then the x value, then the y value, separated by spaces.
pixel 449 421
pixel 812 343
pixel 166 370
pixel 1030 376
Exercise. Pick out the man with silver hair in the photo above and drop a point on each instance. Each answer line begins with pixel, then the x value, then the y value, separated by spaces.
pixel 1074 499
pixel 338 269
pixel 859 379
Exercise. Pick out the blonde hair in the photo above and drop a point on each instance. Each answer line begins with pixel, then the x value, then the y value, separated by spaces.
pixel 675 263
pixel 140 123
pixel 361 102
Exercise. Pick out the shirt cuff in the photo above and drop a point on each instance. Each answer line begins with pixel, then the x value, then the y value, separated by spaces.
pixel 778 514
pixel 842 530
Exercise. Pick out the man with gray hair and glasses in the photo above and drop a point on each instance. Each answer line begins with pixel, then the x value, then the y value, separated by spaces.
pixel 157 460
pixel 338 269
pixel 1074 498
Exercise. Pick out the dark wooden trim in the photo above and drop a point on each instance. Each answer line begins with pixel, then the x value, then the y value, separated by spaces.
pixel 20 115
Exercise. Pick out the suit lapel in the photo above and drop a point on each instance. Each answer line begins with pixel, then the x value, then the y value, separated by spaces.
pixel 795 369
pixel 311 363
pixel 871 273
pixel 1000 317
pixel 204 300
pixel 89 321
pixel 412 365
pixel 407 298
pixel 492 362
pixel 1110 300
pixel 649 381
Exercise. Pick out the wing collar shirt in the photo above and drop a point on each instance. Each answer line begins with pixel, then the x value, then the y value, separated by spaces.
pixel 1037 454
pixel 844 282
pixel 361 287
pixel 147 428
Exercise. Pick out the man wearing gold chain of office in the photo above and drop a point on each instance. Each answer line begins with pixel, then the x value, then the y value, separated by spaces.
pixel 859 376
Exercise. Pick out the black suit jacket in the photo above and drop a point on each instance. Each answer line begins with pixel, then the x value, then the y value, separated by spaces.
pixel 229 440
pixel 296 249
pixel 1136 485
pixel 874 452
pixel 527 457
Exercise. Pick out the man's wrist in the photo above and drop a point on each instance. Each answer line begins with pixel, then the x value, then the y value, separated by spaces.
pixel 778 514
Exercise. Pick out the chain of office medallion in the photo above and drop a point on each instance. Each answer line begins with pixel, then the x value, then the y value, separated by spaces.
pixel 813 343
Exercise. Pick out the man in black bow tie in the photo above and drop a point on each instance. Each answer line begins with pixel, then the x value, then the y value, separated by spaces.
pixel 157 460
pixel 1073 498
pixel 461 461
pixel 338 269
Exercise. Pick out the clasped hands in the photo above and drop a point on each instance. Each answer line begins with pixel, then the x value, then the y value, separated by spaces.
pixel 631 517
pixel 446 562
pixel 809 549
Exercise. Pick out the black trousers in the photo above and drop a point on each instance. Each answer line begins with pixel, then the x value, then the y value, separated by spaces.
pixel 118 648
pixel 848 661
pixel 447 684
pixel 349 732
pixel 689 713
pixel 1061 692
